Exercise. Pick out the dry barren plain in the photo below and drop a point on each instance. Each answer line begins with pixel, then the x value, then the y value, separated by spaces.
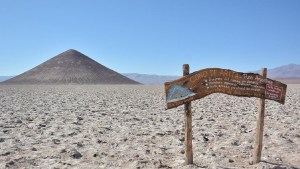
pixel 127 126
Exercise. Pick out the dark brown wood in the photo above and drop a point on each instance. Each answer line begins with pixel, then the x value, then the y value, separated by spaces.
pixel 215 80
pixel 260 125
pixel 188 125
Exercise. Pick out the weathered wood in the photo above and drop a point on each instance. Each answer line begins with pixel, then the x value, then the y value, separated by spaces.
pixel 260 126
pixel 215 80
pixel 188 125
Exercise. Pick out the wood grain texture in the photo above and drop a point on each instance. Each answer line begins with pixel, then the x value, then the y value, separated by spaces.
pixel 216 80
pixel 260 125
pixel 188 125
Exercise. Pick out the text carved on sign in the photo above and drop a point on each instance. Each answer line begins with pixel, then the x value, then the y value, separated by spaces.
pixel 215 80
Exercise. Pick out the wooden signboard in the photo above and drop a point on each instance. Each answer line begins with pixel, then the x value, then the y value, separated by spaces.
pixel 215 80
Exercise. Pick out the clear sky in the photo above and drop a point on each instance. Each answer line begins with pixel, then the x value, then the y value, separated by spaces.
pixel 151 36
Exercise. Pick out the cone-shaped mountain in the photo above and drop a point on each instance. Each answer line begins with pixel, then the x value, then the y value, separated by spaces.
pixel 70 67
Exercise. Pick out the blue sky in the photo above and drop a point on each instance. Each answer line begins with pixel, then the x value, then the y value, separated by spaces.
pixel 151 36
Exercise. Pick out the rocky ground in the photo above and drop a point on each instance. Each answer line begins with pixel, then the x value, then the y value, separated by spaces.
pixel 96 126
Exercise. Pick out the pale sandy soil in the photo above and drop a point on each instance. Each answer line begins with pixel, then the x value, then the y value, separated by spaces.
pixel 127 127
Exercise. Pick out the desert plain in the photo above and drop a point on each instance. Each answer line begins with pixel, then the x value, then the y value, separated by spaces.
pixel 127 126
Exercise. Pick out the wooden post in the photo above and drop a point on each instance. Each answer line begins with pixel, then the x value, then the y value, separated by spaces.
pixel 260 125
pixel 188 125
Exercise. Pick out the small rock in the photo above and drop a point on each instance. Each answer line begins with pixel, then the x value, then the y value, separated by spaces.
pixel 104 154
pixel 75 154
pixel 144 161
pixel 42 125
pixel 79 118
pixel 101 141
pixel 72 134
pixel 147 151
pixel 6 131
pixel 205 138
pixel 34 149
pixel 79 145
pixel 160 134
pixel 211 119
pixel 76 123
pixel 5 154
pixel 235 143
pixel 9 164
pixel 250 147
pixel 136 119
pixel 125 112
pixel 31 126
pixel 18 121
pixel 67 164
pixel 220 134
pixel 278 159
pixel 231 161
pixel 29 119
pixel 2 140
pixel 289 140
pixel 63 151
pixel 56 141
pixel 161 165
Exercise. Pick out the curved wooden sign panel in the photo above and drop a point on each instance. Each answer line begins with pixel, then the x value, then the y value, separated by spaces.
pixel 215 80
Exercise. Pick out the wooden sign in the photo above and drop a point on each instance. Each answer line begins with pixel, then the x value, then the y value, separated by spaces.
pixel 215 80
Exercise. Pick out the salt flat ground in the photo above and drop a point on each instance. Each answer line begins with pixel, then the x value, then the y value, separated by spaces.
pixel 96 126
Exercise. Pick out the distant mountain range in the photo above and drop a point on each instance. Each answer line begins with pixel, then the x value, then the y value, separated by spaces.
pixel 286 71
pixel 150 79
pixel 289 74
pixel 3 78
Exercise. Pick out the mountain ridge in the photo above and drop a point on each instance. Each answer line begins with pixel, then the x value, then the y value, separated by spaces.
pixel 289 74
pixel 284 71
pixel 150 78
pixel 70 67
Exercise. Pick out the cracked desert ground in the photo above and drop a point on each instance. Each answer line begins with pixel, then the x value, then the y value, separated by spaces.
pixel 127 126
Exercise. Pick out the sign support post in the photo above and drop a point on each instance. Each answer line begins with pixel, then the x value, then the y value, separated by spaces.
pixel 260 125
pixel 188 125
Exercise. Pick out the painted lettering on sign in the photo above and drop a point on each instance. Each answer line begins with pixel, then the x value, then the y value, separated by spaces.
pixel 274 92
pixel 215 80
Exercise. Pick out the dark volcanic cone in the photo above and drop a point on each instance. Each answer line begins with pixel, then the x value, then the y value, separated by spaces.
pixel 70 67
